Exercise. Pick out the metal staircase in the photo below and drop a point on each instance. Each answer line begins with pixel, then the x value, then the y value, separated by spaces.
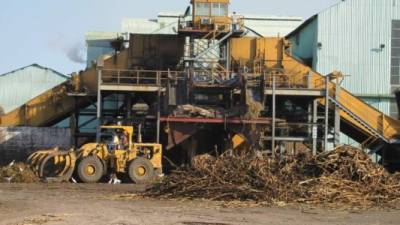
pixel 358 120
pixel 213 46
pixel 205 56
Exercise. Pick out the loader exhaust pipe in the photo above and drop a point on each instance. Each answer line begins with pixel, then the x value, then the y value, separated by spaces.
pixel 139 139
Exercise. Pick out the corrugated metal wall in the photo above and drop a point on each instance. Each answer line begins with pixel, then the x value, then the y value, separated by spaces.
pixel 21 85
pixel 304 43
pixel 352 34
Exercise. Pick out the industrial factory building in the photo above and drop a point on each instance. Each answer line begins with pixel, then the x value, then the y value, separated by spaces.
pixel 360 38
pixel 210 108
pixel 212 81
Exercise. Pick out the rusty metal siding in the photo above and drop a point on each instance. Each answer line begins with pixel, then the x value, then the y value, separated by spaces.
pixel 156 52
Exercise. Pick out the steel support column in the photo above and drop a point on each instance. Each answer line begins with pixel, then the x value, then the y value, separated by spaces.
pixel 273 114
pixel 315 127
pixel 337 114
pixel 99 104
pixel 158 106
pixel 326 128
pixel 228 58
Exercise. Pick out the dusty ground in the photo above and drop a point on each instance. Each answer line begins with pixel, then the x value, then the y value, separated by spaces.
pixel 72 204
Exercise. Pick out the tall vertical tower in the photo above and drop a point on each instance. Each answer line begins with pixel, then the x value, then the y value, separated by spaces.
pixel 207 31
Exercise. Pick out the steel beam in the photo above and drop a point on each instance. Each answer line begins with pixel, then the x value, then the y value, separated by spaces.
pixel 326 128
pixel 293 92
pixel 135 88
pixel 315 127
pixel 293 139
pixel 158 112
pixel 99 104
pixel 337 114
pixel 273 114
pixel 263 121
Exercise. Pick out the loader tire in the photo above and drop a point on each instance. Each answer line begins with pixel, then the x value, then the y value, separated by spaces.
pixel 90 169
pixel 141 171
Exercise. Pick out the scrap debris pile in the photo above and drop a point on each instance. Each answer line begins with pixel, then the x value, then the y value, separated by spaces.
pixel 17 173
pixel 343 177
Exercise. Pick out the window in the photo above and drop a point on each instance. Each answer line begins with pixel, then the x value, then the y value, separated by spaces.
pixel 219 9
pixel 215 9
pixel 202 9
pixel 223 9
pixel 393 109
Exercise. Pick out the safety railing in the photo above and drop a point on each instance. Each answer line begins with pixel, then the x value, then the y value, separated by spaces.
pixel 139 77
pixel 286 129
pixel 235 22
pixel 285 81
pixel 281 81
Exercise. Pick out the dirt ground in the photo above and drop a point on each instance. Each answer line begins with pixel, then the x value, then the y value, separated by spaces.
pixel 82 204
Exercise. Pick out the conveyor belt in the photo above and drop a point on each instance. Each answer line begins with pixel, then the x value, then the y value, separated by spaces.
pixel 56 104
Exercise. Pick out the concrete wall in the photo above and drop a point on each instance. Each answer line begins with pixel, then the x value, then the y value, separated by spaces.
pixel 18 142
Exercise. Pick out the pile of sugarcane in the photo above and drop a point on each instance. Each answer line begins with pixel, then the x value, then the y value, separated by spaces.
pixel 17 173
pixel 343 177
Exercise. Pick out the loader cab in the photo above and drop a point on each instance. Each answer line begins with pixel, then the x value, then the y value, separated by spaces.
pixel 108 133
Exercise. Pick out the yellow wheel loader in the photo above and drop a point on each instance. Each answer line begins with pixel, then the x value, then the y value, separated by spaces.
pixel 90 163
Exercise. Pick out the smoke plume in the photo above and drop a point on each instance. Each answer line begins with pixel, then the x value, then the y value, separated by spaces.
pixel 74 51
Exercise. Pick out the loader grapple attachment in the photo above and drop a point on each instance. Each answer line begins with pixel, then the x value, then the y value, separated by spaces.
pixel 53 164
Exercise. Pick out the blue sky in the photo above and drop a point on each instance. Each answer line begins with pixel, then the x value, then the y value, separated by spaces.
pixel 40 31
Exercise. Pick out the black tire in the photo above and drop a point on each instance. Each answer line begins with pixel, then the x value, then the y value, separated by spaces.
pixel 140 170
pixel 90 169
